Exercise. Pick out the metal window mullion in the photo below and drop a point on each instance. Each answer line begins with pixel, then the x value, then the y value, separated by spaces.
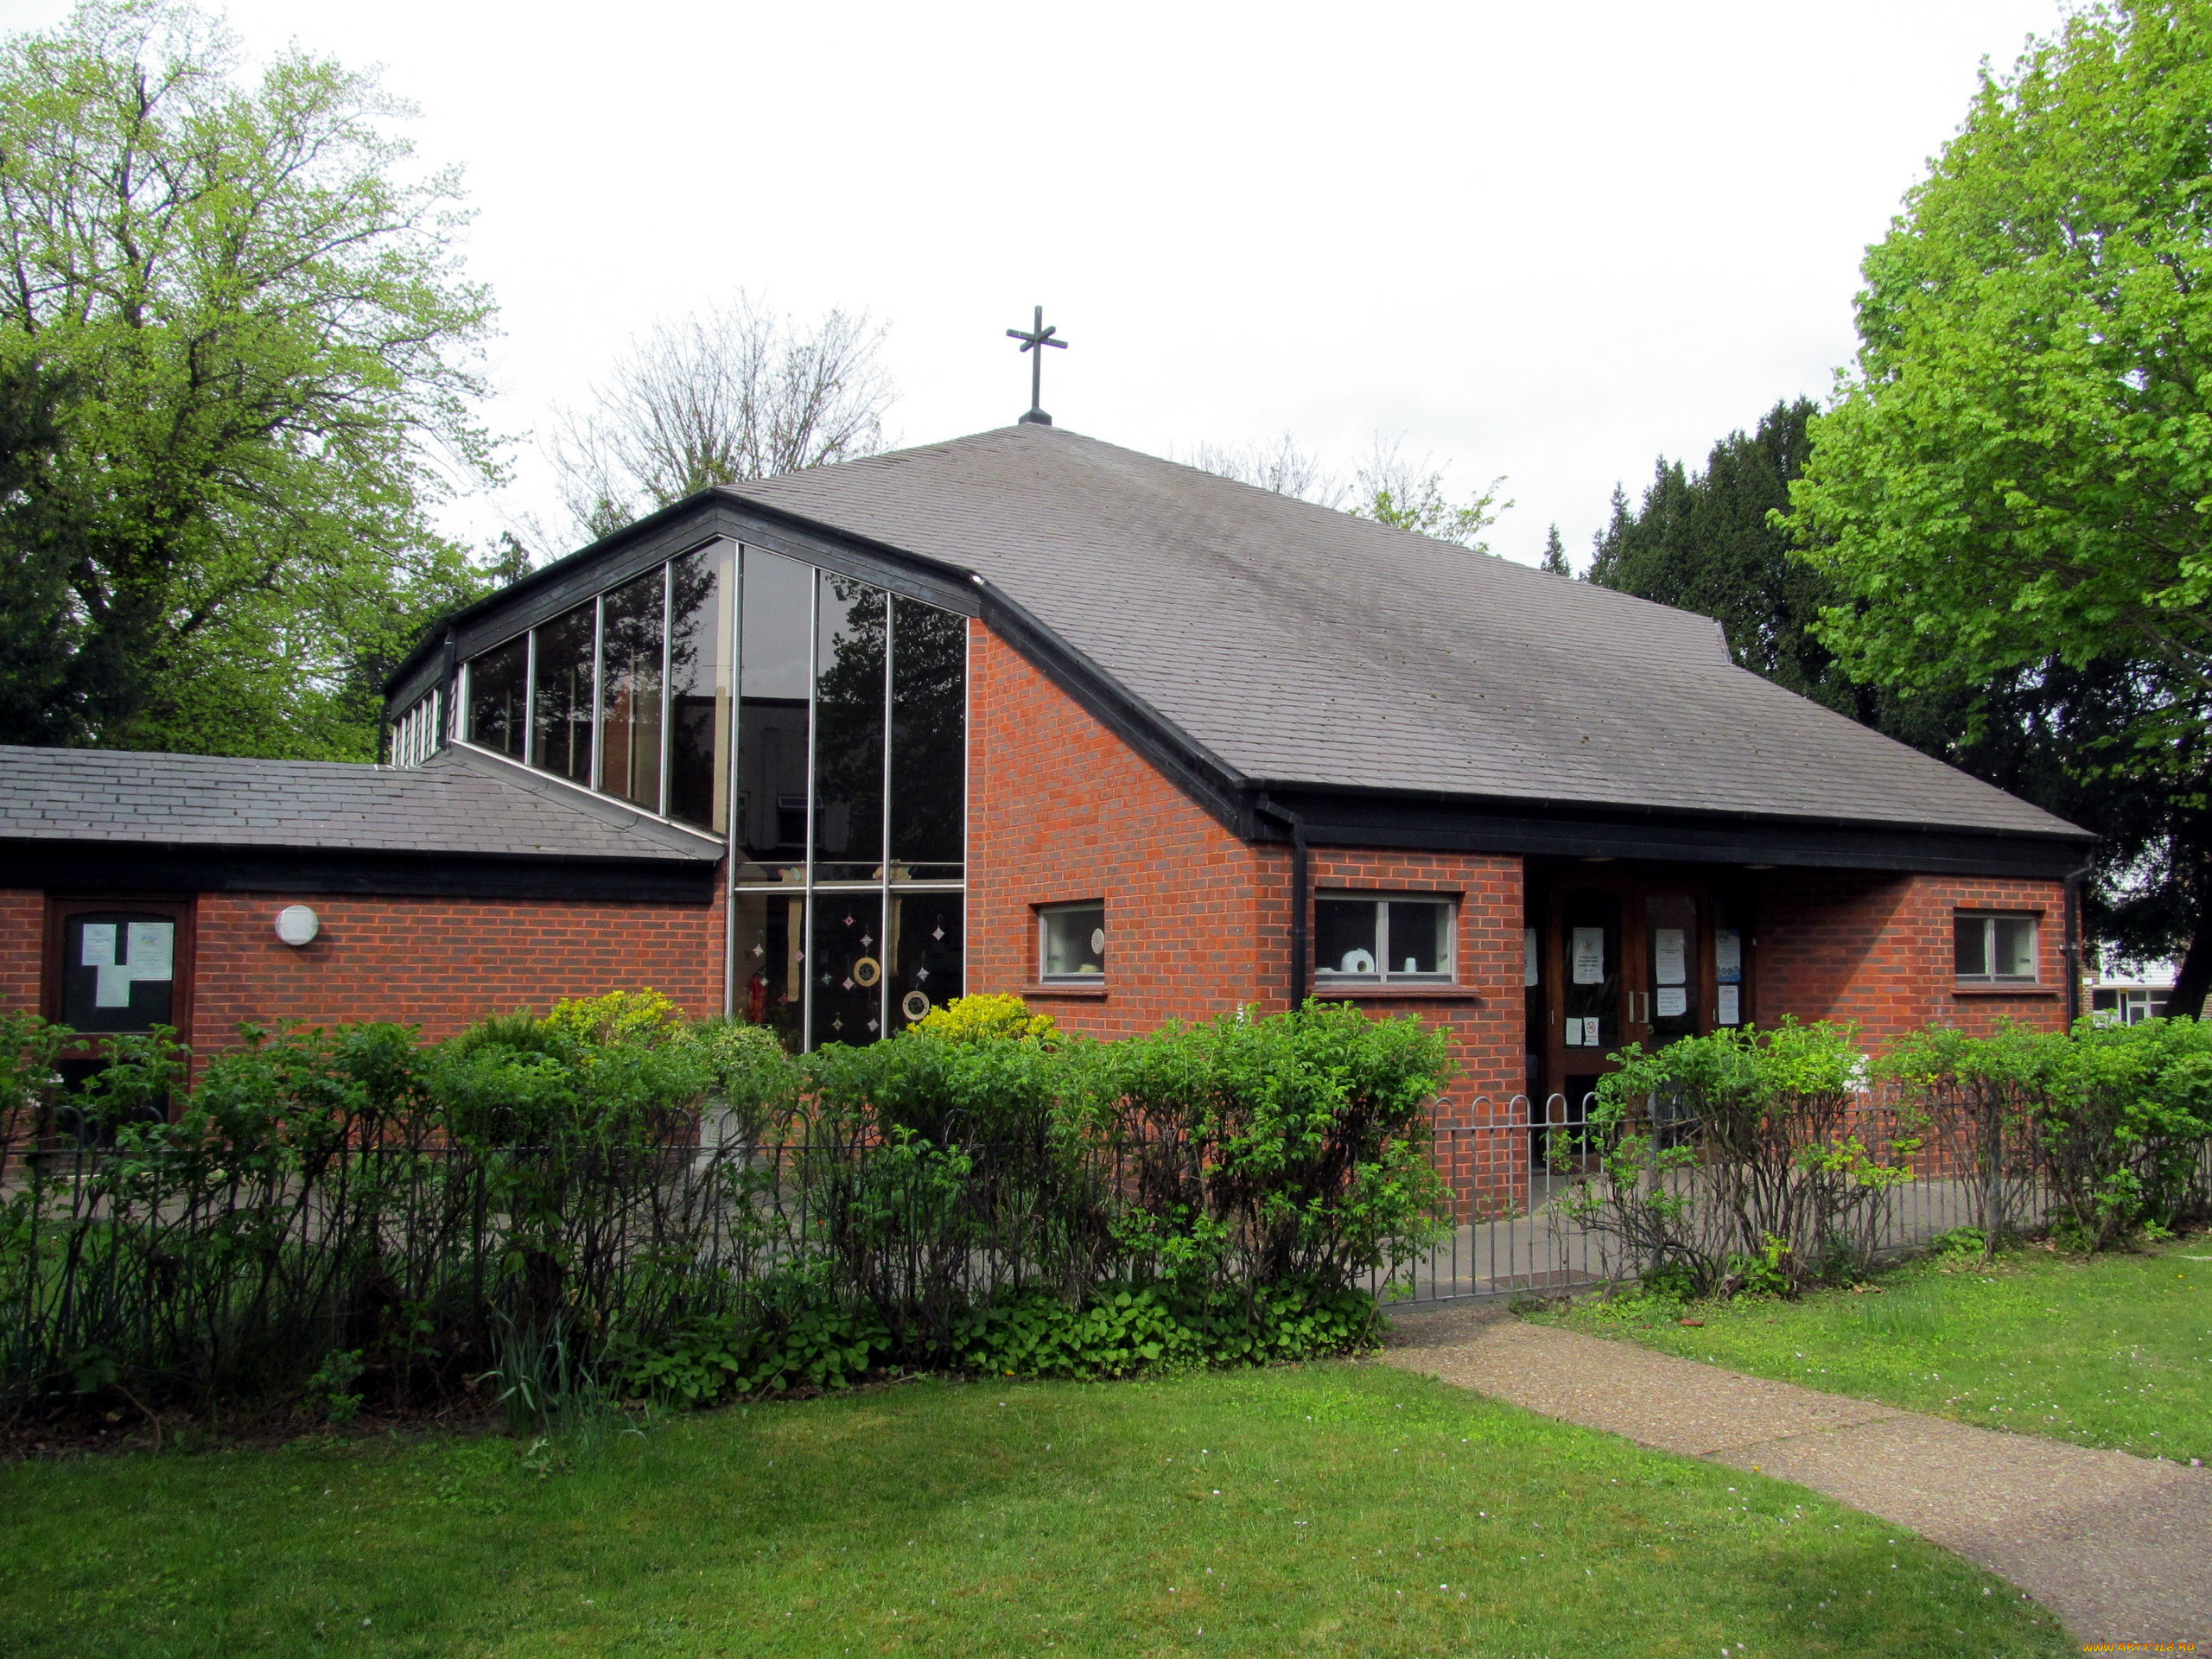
pixel 530 699
pixel 667 635
pixel 883 908
pixel 597 780
pixel 806 853
pixel 732 608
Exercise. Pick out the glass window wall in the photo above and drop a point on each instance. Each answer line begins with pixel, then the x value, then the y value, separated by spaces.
pixel 774 673
pixel 818 720
pixel 851 622
pixel 561 740
pixel 928 742
pixel 499 698
pixel 631 624
pixel 699 685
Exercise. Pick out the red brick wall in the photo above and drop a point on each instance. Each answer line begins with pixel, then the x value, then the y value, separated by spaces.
pixel 442 964
pixel 1197 922
pixel 23 940
pixel 1877 949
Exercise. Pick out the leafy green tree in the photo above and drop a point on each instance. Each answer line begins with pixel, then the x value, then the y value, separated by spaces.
pixel 37 668
pixel 2013 491
pixel 1409 495
pixel 270 358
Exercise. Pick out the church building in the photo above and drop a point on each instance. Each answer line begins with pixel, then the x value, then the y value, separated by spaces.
pixel 1027 712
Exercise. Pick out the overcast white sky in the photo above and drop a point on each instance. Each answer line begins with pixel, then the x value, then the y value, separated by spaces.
pixel 1548 241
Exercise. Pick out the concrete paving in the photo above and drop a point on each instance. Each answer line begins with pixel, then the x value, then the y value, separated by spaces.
pixel 2113 1545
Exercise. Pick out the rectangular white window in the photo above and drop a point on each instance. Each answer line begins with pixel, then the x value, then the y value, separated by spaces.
pixel 1382 940
pixel 1071 941
pixel 1994 950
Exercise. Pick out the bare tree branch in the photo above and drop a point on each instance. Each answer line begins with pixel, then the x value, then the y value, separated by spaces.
pixel 736 392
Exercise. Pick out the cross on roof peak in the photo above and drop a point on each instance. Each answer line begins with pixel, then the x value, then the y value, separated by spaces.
pixel 1035 341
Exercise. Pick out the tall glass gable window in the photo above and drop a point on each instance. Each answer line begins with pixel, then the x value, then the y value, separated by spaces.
pixel 852 804
pixel 819 721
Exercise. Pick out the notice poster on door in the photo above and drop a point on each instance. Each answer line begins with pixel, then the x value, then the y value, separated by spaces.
pixel 1731 1009
pixel 1582 1032
pixel 1589 954
pixel 1674 1001
pixel 1670 958
pixel 1728 956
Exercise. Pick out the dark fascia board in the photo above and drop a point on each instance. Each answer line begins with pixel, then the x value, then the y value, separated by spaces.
pixel 709 515
pixel 1568 830
pixel 147 867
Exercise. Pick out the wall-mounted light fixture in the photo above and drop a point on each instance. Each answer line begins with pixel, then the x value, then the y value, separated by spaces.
pixel 297 926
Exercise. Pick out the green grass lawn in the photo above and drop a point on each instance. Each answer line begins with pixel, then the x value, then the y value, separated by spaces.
pixel 1327 1509
pixel 2110 1350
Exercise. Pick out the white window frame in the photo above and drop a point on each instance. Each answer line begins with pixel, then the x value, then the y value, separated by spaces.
pixel 1987 920
pixel 1385 974
pixel 1044 913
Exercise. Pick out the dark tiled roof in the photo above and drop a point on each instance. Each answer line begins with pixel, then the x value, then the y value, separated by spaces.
pixel 458 804
pixel 1302 647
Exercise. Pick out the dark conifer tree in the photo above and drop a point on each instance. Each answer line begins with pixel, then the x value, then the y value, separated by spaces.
pixel 1554 559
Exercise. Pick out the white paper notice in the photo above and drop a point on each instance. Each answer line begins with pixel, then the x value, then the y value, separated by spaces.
pixel 1731 1009
pixel 1667 965
pixel 152 949
pixel 1674 1001
pixel 1589 956
pixel 1527 956
pixel 1574 1032
pixel 150 953
pixel 1590 1038
pixel 1728 956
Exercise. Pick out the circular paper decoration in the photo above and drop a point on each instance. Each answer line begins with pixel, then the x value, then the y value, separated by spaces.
pixel 914 1005
pixel 1098 941
pixel 1358 962
pixel 867 971
pixel 296 924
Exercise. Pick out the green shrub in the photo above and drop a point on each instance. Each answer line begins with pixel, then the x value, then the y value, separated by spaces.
pixel 1737 1160
pixel 1304 1141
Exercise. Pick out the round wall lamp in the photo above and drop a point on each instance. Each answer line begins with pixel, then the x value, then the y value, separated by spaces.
pixel 297 926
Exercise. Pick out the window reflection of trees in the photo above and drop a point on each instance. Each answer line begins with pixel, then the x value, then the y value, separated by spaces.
pixel 698 687
pixel 929 698
pixel 630 668
pixel 849 731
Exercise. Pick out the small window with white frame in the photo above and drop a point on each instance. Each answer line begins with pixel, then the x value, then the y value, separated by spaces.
pixel 1360 938
pixel 1071 943
pixel 1993 948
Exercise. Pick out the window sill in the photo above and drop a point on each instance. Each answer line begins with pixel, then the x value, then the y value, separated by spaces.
pixel 1063 988
pixel 2005 990
pixel 1395 993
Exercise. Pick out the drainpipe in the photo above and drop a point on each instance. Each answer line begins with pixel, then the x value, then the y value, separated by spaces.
pixel 2073 945
pixel 1300 881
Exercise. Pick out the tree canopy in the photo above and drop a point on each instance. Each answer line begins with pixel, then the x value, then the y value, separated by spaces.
pixel 2013 489
pixel 1706 542
pixel 241 303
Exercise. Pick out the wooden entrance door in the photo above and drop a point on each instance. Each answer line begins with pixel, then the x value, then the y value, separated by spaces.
pixel 1626 954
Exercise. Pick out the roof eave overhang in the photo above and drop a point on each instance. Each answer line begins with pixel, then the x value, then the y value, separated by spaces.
pixel 1355 817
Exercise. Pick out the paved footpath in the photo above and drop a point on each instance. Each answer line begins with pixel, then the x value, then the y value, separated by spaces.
pixel 2116 1546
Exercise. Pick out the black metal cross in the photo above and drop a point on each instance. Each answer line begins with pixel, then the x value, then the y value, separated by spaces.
pixel 1035 341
